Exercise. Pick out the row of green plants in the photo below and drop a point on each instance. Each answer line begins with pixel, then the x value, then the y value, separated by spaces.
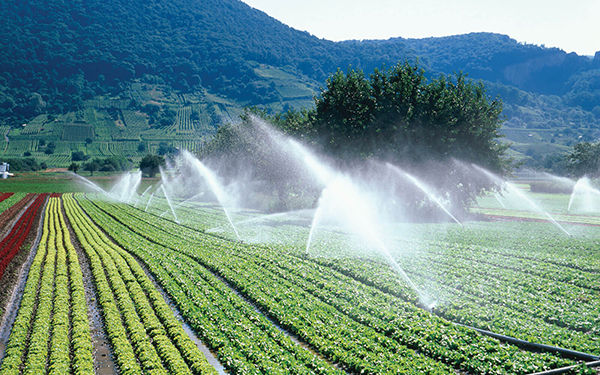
pixel 9 201
pixel 515 291
pixel 353 346
pixel 319 304
pixel 563 304
pixel 471 309
pixel 212 216
pixel 243 339
pixel 156 337
pixel 547 245
pixel 529 268
pixel 525 215
pixel 51 332
pixel 19 233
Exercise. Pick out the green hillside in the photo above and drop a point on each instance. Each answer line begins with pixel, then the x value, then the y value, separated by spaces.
pixel 128 75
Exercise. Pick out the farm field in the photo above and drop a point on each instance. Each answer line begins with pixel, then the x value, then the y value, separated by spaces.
pixel 163 296
pixel 490 275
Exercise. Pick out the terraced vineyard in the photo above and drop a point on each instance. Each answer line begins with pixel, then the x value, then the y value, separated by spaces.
pixel 274 308
pixel 184 121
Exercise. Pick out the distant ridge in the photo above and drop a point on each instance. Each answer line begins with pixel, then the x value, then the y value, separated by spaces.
pixel 56 55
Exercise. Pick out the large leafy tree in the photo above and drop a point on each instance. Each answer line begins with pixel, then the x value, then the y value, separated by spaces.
pixel 397 113
pixel 400 116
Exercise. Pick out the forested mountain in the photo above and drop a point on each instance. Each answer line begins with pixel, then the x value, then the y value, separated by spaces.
pixel 56 55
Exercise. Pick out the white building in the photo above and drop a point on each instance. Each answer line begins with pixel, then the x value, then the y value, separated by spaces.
pixel 4 168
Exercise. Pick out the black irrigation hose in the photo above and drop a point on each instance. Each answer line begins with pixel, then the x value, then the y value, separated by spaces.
pixel 573 354
pixel 563 370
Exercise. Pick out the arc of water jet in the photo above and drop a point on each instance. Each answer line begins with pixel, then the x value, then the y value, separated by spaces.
pixel 141 196
pixel 571 199
pixel 126 187
pixel 214 185
pixel 425 189
pixel 357 215
pixel 149 200
pixel 537 208
pixel 497 196
pixel 258 219
pixel 582 186
pixel 521 195
pixel 89 183
pixel 189 199
pixel 315 222
pixel 169 202
pixel 328 177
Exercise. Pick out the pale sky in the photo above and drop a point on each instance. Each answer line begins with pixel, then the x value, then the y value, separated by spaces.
pixel 572 25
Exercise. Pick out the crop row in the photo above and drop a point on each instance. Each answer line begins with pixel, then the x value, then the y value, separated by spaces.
pixel 11 244
pixel 51 332
pixel 570 306
pixel 187 213
pixel 183 121
pixel 143 330
pixel 243 339
pixel 346 321
pixel 5 204
pixel 4 196
pixel 9 214
pixel 523 297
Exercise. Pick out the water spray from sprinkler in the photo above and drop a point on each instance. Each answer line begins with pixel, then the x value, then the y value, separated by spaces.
pixel 214 184
pixel 515 190
pixel 425 189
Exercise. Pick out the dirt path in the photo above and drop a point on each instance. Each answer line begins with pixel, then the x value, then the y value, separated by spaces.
pixel 104 363
pixel 14 297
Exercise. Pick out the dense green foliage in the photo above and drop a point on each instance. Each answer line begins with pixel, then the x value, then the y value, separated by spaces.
pixel 397 114
pixel 23 165
pixel 110 164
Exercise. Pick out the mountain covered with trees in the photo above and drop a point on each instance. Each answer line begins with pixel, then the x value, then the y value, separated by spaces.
pixel 174 63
